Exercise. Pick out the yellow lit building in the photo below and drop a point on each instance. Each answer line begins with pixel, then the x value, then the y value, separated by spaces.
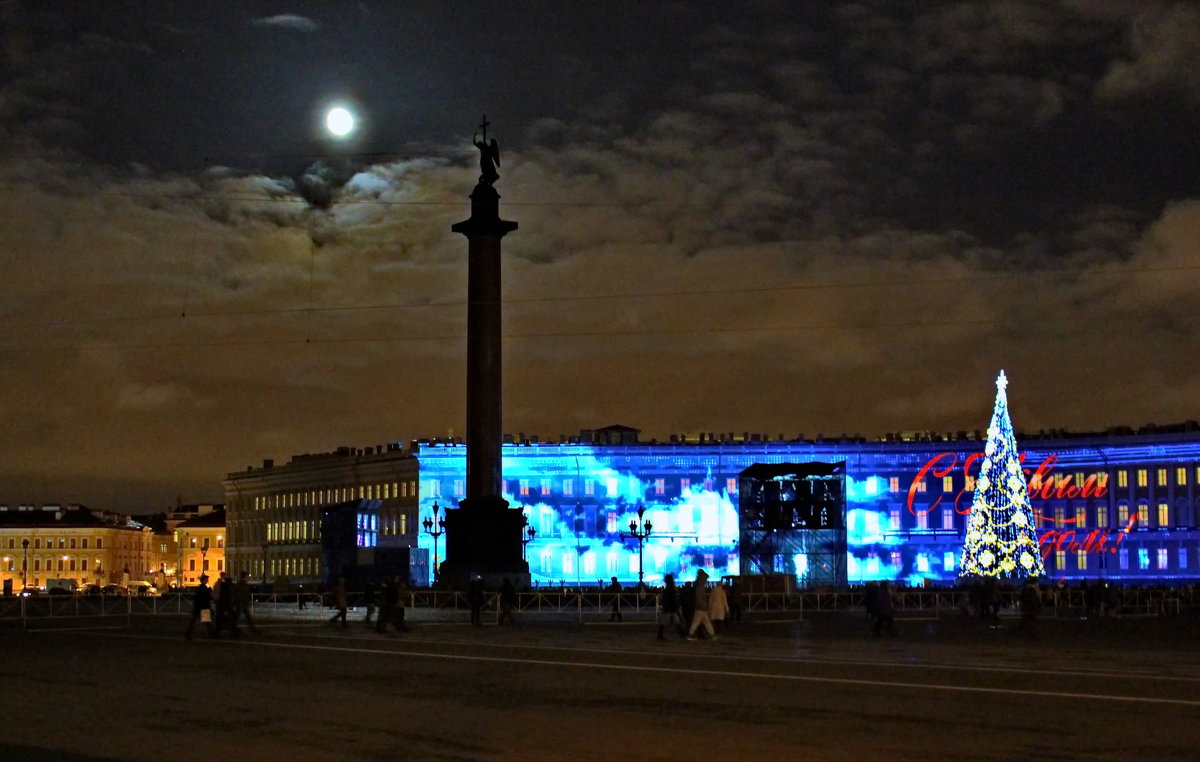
pixel 199 544
pixel 72 542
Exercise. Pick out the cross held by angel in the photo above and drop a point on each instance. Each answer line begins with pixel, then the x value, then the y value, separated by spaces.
pixel 489 155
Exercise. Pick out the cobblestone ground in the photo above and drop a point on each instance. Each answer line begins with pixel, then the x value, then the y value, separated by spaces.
pixel 555 688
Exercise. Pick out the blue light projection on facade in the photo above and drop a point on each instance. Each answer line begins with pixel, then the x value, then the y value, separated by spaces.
pixel 906 506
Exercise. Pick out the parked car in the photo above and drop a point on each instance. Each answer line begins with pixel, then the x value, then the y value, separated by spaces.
pixel 91 589
pixel 142 588
pixel 114 589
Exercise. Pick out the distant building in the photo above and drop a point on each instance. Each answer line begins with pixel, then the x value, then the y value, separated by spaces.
pixel 72 542
pixel 275 513
pixel 199 544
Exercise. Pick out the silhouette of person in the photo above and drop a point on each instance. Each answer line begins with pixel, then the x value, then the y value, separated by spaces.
pixel 201 607
pixel 339 601
pixel 508 601
pixel 369 600
pixel 700 607
pixel 669 617
pixel 242 600
pixel 614 588
pixel 475 599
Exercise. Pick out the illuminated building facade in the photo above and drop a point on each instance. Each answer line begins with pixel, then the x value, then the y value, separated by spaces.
pixel 72 542
pixel 1120 505
pixel 275 513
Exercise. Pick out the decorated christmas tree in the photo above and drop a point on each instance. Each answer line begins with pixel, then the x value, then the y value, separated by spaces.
pixel 1001 536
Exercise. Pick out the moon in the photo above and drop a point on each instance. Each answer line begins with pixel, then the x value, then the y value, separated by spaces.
pixel 339 121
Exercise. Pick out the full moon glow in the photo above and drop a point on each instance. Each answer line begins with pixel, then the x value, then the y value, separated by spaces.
pixel 339 121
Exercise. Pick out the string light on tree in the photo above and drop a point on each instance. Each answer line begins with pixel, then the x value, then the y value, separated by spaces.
pixel 1001 535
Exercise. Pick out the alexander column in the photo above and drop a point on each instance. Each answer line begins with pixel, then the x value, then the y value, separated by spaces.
pixel 483 536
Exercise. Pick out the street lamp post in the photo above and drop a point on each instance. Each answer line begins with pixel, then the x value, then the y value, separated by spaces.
pixel 25 567
pixel 435 526
pixel 640 528
pixel 530 533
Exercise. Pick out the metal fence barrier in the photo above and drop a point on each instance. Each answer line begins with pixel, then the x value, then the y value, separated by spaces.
pixel 914 603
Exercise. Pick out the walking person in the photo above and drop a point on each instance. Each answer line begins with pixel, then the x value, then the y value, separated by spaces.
pixel 700 607
pixel 614 589
pixel 718 606
pixel 735 601
pixel 226 606
pixel 669 616
pixel 369 600
pixel 391 612
pixel 339 602
pixel 242 601
pixel 1031 606
pixel 508 601
pixel 885 616
pixel 871 602
pixel 201 607
pixel 475 599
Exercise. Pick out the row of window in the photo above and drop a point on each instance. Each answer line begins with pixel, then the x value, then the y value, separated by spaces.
pixel 296 498
pixel 52 564
pixel 1158 558
pixel 64 543
pixel 1061 519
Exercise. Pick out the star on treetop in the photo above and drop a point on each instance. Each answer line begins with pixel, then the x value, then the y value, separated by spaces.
pixel 1001 381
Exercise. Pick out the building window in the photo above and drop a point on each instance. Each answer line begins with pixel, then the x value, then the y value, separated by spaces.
pixel 1101 516
pixel 1080 516
pixel 1122 478
pixel 895 558
pixel 1181 476
pixel 37 564
pixel 83 564
pixel 611 525
pixel 731 485
pixel 948 561
pixel 947 484
pixel 524 486
pixel 1182 558
pixel 589 489
pixel 894 518
pixel 685 484
pixel 1162 477
pixel 545 486
pixel 920 485
pixel 922 563
pixel 1060 560
pixel 923 520
pixel 1143 558
pixel 894 484
pixel 1142 478
pixel 1143 515
pixel 947 518
pixel 1081 560
pixel 1122 514
pixel 1162 558
pixel 85 543
pixel 568 560
pixel 72 543
pixel 660 486
pixel 568 486
pixel 37 543
pixel 1164 515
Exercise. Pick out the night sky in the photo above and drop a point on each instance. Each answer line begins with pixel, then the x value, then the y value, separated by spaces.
pixel 776 217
